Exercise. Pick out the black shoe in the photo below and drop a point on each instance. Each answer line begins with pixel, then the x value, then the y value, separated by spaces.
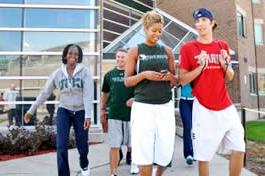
pixel 121 156
pixel 128 158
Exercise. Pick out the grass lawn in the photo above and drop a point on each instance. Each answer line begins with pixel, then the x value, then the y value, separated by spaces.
pixel 255 131
pixel 2 120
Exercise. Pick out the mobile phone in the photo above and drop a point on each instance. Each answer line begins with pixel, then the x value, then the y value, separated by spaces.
pixel 163 71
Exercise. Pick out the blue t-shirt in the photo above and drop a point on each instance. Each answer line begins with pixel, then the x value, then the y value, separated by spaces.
pixel 186 91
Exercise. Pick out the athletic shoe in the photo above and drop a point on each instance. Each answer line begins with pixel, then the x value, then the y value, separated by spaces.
pixel 189 160
pixel 85 171
pixel 134 169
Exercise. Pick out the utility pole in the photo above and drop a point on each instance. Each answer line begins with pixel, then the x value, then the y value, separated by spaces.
pixel 255 55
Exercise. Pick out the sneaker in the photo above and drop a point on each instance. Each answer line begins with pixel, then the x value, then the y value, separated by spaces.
pixel 189 160
pixel 128 158
pixel 85 171
pixel 134 169
pixel 121 156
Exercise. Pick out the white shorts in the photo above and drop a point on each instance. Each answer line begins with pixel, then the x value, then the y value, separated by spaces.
pixel 153 133
pixel 214 131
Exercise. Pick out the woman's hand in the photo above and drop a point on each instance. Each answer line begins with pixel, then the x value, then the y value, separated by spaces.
pixel 27 117
pixel 87 123
pixel 153 75
pixel 170 77
pixel 129 102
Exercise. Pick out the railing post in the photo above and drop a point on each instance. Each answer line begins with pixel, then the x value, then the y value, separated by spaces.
pixel 243 114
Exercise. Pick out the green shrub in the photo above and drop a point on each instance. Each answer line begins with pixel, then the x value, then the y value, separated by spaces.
pixel 21 140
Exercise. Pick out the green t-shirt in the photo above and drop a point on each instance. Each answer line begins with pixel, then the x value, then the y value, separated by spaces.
pixel 153 59
pixel 118 95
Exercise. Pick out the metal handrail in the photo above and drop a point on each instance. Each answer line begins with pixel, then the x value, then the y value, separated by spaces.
pixel 243 118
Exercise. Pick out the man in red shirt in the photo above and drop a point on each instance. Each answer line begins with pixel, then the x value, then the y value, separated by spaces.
pixel 205 63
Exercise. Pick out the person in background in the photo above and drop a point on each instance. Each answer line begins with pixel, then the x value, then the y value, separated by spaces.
pixel 119 99
pixel 2 107
pixel 185 109
pixel 10 95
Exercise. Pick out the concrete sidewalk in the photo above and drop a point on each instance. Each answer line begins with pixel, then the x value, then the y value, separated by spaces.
pixel 45 165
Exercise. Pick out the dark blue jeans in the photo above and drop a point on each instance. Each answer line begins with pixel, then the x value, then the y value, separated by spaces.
pixel 185 108
pixel 65 118
pixel 12 114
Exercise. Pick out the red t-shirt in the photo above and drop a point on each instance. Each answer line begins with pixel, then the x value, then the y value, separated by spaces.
pixel 209 87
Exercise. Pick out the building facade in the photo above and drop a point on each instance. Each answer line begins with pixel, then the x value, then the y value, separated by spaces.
pixel 241 24
pixel 33 34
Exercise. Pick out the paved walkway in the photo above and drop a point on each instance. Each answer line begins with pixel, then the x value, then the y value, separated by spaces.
pixel 45 165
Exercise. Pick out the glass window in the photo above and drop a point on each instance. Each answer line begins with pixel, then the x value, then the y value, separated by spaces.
pixel 57 18
pixel 116 17
pixel 258 33
pixel 9 65
pixel 147 2
pixel 241 25
pixel 33 63
pixel 169 40
pixel 176 30
pixel 190 36
pixel 56 41
pixel 252 83
pixel 261 83
pixel 10 41
pixel 11 1
pixel 29 92
pixel 114 27
pixel 10 17
pixel 134 38
pixel 65 2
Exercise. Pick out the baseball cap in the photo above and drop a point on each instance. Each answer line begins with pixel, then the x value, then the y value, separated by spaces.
pixel 203 12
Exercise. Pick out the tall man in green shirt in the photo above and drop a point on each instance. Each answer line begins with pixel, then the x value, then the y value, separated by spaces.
pixel 119 99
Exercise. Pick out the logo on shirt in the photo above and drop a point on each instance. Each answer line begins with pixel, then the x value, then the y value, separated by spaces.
pixel 151 57
pixel 118 79
pixel 212 59
pixel 74 83
pixel 142 57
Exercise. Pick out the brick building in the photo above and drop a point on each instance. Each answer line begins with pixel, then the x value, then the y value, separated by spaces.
pixel 241 24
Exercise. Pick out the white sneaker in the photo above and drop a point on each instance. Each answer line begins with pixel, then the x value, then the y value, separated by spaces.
pixel 134 169
pixel 85 171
